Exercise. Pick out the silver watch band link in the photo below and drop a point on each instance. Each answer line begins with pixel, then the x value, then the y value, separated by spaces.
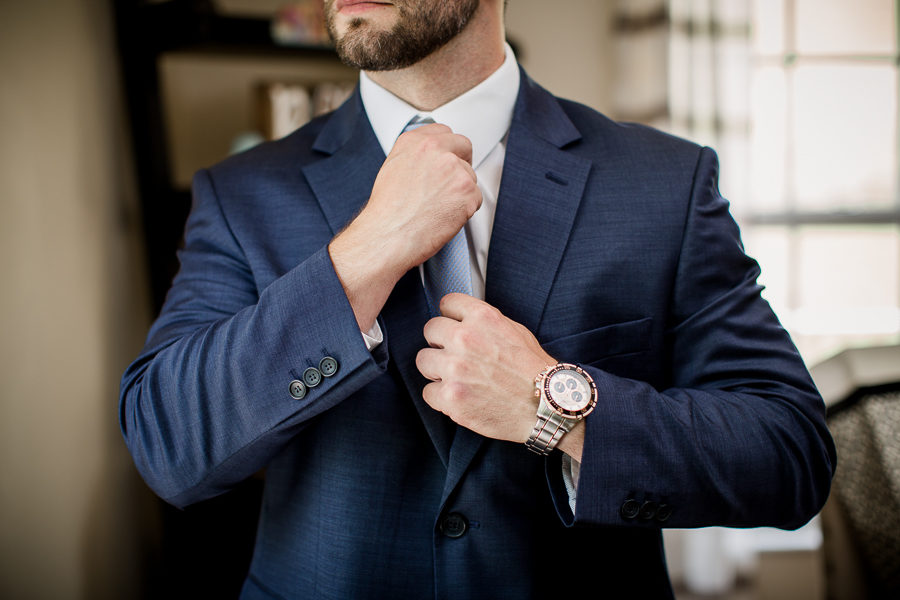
pixel 548 430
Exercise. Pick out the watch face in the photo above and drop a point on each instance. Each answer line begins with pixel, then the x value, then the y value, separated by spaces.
pixel 570 391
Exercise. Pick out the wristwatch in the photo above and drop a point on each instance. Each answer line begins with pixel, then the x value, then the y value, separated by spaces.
pixel 566 395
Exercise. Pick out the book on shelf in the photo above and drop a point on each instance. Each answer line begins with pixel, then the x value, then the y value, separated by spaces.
pixel 285 107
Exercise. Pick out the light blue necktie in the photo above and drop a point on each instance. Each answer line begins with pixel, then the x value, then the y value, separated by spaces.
pixel 448 271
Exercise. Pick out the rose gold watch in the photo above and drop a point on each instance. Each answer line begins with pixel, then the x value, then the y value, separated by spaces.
pixel 567 394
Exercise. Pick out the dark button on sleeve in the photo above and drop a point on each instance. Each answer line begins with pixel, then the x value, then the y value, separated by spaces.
pixel 312 377
pixel 297 389
pixel 328 366
pixel 648 510
pixel 663 513
pixel 630 509
pixel 454 525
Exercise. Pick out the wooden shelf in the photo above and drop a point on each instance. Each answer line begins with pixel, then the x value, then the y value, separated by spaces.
pixel 180 25
pixel 146 31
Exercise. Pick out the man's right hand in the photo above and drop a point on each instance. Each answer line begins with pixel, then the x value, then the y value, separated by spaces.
pixel 425 192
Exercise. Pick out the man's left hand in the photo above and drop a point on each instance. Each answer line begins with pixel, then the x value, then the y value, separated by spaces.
pixel 482 367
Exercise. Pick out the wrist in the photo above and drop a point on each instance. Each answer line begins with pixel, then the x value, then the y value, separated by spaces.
pixel 573 442
pixel 366 274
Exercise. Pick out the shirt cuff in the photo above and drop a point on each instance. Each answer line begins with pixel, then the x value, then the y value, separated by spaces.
pixel 373 337
pixel 571 468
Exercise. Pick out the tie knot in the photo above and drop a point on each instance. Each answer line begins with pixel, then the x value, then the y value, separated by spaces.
pixel 416 122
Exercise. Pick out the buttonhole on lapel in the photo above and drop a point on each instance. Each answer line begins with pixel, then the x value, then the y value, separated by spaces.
pixel 555 178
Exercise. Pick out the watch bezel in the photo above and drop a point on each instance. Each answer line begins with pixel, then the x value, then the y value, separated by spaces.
pixel 548 397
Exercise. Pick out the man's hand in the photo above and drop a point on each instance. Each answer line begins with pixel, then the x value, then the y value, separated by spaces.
pixel 425 192
pixel 482 367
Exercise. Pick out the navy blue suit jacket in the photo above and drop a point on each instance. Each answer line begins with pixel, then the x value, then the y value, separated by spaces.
pixel 611 243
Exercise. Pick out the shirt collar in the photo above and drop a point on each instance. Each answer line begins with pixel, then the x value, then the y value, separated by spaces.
pixel 483 114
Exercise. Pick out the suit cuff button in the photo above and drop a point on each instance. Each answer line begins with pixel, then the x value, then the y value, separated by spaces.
pixel 630 509
pixel 648 510
pixel 663 513
pixel 328 366
pixel 297 389
pixel 312 377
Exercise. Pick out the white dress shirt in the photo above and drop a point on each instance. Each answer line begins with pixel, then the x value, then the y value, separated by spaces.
pixel 483 114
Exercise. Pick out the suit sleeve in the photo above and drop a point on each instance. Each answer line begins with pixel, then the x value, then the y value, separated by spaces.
pixel 207 402
pixel 739 439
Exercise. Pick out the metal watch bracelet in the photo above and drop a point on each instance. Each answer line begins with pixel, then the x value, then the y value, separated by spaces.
pixel 549 428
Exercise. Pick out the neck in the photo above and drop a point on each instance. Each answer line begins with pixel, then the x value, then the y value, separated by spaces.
pixel 464 62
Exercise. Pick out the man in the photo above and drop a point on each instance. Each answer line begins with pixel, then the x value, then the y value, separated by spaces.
pixel 621 372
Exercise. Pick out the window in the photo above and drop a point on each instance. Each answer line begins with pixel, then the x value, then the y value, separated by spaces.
pixel 800 98
pixel 822 210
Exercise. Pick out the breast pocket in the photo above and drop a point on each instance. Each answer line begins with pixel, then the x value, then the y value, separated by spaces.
pixel 589 347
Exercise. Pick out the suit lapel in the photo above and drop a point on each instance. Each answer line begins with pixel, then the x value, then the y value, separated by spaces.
pixel 341 182
pixel 343 179
pixel 540 192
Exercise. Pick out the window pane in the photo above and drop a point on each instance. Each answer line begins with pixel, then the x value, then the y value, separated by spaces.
pixel 845 136
pixel 768 26
pixel 848 285
pixel 768 141
pixel 849 267
pixel 845 27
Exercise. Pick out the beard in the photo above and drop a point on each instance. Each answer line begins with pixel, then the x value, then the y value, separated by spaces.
pixel 422 27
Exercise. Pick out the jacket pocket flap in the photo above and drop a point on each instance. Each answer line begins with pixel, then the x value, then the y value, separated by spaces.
pixel 610 340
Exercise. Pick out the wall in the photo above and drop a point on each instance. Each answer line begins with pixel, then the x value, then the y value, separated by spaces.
pixel 567 47
pixel 73 308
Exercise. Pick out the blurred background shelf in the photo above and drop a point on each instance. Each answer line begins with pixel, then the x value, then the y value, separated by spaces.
pixel 184 63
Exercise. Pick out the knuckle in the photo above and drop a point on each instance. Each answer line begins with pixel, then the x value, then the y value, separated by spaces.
pixel 465 338
pixel 455 392
pixel 432 143
pixel 450 163
pixel 466 142
pixel 457 370
pixel 488 313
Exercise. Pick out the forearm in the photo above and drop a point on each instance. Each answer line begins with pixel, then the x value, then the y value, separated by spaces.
pixel 202 410
pixel 739 457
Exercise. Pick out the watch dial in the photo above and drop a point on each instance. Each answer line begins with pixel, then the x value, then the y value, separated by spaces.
pixel 570 390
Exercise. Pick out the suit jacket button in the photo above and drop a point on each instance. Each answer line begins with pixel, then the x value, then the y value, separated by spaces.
pixel 454 525
pixel 630 509
pixel 312 377
pixel 663 513
pixel 297 389
pixel 648 510
pixel 328 366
